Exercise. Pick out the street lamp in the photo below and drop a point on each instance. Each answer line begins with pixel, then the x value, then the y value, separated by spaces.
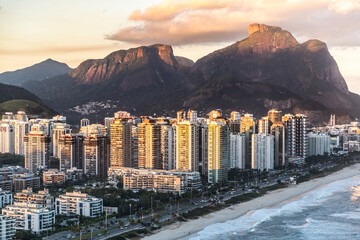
pixel 130 210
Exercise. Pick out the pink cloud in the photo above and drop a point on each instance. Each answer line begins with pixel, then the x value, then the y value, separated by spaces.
pixel 182 22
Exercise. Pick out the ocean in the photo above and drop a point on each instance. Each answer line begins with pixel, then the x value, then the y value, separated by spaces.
pixel 330 212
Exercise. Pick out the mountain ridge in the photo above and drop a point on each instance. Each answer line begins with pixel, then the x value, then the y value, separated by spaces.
pixel 270 67
pixel 39 71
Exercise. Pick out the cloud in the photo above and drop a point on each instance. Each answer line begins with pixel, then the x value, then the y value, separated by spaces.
pixel 183 22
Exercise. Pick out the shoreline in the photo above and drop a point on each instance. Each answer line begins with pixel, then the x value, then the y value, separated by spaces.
pixel 185 230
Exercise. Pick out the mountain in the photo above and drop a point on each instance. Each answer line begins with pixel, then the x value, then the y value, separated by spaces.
pixel 46 69
pixel 13 99
pixel 268 69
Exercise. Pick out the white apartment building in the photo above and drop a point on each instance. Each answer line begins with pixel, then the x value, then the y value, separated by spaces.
pixel 157 180
pixel 319 144
pixel 77 203
pixel 21 129
pixel 237 151
pixel 262 156
pixel 6 198
pixel 42 198
pixel 7 228
pixel 7 135
pixel 30 217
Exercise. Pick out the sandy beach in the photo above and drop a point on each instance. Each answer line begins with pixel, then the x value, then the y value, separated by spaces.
pixel 183 230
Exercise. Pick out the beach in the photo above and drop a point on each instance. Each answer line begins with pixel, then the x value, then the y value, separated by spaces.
pixel 185 230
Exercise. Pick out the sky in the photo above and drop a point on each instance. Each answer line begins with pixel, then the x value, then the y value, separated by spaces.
pixel 72 31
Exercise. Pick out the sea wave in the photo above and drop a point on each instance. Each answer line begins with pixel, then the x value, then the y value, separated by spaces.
pixel 250 221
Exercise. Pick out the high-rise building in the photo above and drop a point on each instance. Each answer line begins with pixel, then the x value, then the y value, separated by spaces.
pixel 319 144
pixel 302 138
pixel 278 131
pixel 274 116
pixel 192 116
pixel 237 150
pixel 167 147
pixel 290 135
pixel 71 151
pixel 181 116
pixel 93 129
pixel 37 149
pixel 187 146
pixel 262 151
pixel 214 115
pixel 7 136
pixel 149 145
pixel 218 151
pixel 134 146
pixel 84 122
pixel 121 144
pixel 96 155
pixel 21 116
pixel 122 115
pixel 21 129
pixel 203 149
pixel 6 198
pixel 59 130
pixel 7 227
pixel 247 127
pixel 263 125
pixel 234 116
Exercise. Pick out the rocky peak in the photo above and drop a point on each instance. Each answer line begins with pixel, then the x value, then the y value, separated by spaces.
pixel 255 27
pixel 95 71
pixel 264 39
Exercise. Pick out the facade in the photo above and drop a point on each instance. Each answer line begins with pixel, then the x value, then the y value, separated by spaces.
pixel 278 131
pixel 7 136
pixel 53 176
pixel 290 135
pixel 167 147
pixel 7 227
pixel 6 198
pixel 351 146
pixel 237 151
pixel 157 180
pixel 149 145
pixel 77 203
pixel 24 181
pixel 274 116
pixel 70 151
pixel 264 126
pixel 96 155
pixel 120 143
pixel 42 198
pixel 21 129
pixel 319 144
pixel 218 151
pixel 84 122
pixel 187 146
pixel 59 130
pixel 302 138
pixel 37 149
pixel 262 151
pixel 31 217
pixel 247 126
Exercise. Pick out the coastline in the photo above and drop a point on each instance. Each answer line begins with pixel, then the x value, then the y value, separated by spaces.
pixel 185 230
